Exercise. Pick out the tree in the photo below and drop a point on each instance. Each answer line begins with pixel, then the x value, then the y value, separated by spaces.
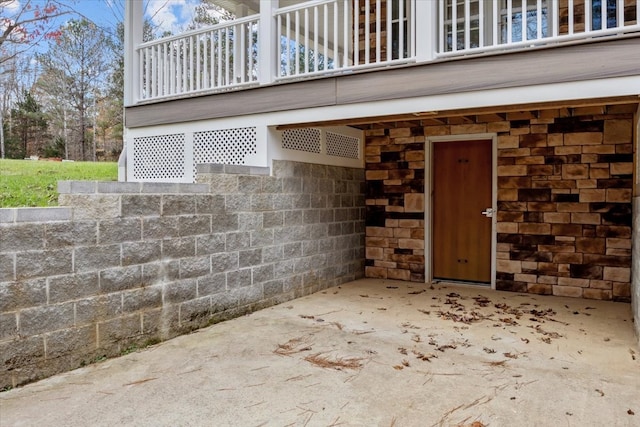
pixel 29 127
pixel 207 14
pixel 111 122
pixel 23 24
pixel 74 72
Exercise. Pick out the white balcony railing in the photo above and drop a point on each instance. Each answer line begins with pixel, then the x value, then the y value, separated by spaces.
pixel 330 35
pixel 326 37
pixel 217 57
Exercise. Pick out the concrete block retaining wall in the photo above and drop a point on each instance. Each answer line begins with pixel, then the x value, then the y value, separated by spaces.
pixel 121 265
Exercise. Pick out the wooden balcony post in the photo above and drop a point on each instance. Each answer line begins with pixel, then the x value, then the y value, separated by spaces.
pixel 267 43
pixel 133 23
pixel 426 29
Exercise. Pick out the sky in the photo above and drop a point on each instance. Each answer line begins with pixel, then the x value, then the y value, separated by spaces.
pixel 167 15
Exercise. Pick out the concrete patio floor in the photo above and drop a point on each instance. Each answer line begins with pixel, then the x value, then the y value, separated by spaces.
pixel 367 353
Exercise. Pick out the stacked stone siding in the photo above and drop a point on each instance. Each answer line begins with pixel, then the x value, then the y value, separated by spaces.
pixel 564 199
pixel 395 204
pixel 635 271
pixel 367 56
pixel 127 264
pixel 564 204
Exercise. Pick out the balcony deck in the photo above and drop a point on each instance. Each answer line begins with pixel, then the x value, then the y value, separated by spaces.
pixel 603 59
pixel 315 39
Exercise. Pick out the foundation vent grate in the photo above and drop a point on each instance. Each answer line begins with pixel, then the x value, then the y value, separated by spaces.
pixel 307 139
pixel 159 157
pixel 224 146
pixel 342 145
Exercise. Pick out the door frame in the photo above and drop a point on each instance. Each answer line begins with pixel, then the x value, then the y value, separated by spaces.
pixel 428 173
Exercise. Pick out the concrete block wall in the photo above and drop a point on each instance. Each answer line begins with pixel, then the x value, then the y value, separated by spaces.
pixel 564 199
pixel 120 265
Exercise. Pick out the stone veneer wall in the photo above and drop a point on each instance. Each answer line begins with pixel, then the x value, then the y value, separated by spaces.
pixel 579 15
pixel 395 204
pixel 635 269
pixel 127 264
pixel 564 200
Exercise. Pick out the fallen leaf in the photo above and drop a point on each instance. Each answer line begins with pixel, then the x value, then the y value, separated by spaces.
pixel 338 363
pixel 425 357
pixel 482 301
pixel 442 348
pixel 294 345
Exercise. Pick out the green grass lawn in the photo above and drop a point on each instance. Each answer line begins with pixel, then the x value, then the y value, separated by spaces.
pixel 35 183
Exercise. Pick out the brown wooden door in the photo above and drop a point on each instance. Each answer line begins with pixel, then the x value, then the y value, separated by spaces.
pixel 461 192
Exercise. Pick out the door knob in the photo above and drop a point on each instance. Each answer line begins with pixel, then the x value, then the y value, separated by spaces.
pixel 488 213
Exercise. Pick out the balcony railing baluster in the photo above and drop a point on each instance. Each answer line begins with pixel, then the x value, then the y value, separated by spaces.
pixel 322 37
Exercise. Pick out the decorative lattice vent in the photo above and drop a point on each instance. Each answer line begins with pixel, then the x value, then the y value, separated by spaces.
pixel 225 146
pixel 159 157
pixel 307 139
pixel 342 145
